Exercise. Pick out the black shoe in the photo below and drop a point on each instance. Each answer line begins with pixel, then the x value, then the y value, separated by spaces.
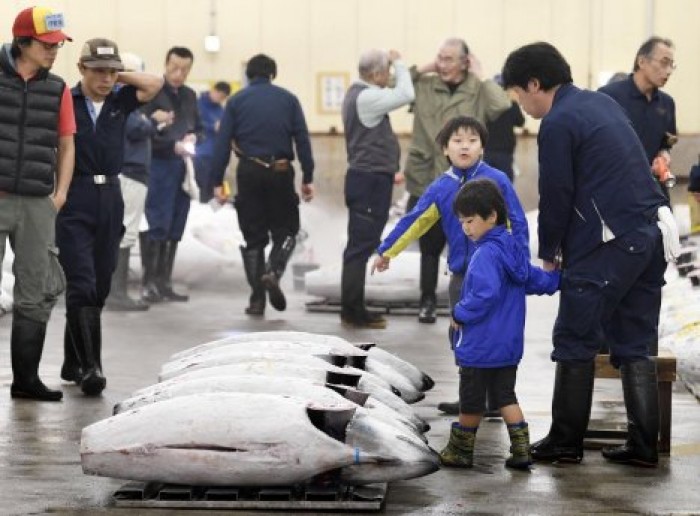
pixel 272 284
pixel 627 455
pixel 547 450
pixel 274 269
pixel 427 312
pixel 255 308
pixel 367 320
pixel 34 390
pixel 451 408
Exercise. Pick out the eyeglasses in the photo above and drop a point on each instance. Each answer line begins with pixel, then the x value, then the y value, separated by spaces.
pixel 51 46
pixel 665 63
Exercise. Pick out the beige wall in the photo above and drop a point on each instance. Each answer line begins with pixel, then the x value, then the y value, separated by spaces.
pixel 307 37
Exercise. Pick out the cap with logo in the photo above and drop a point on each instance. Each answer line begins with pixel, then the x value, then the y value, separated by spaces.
pixel 40 23
pixel 101 53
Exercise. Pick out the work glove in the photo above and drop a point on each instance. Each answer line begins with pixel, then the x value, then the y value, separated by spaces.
pixel 669 231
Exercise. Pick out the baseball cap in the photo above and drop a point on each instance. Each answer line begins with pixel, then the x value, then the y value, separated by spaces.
pixel 101 53
pixel 40 23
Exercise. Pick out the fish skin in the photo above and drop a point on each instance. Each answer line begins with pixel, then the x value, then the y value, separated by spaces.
pixel 299 387
pixel 226 439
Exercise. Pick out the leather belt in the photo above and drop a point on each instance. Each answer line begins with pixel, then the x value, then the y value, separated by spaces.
pixel 278 165
pixel 98 179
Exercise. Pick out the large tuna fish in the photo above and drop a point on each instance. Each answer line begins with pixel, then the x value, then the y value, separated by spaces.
pixel 250 440
pixel 420 380
pixel 319 372
pixel 298 387
pixel 355 357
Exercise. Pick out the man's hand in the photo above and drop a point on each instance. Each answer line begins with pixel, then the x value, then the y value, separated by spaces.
pixel 474 66
pixel 427 68
pixel 454 324
pixel 380 264
pixel 394 55
pixel 307 192
pixel 185 147
pixel 220 195
pixel 163 118
pixel 549 266
pixel 58 199
pixel 399 178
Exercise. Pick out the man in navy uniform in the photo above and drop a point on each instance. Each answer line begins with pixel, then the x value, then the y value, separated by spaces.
pixel 89 228
pixel 602 217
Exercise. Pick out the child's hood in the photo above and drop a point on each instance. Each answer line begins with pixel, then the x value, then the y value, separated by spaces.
pixel 515 263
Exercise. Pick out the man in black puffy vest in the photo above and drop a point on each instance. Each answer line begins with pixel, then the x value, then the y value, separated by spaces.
pixel 36 166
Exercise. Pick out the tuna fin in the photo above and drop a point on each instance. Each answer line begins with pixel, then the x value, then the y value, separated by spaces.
pixel 358 361
pixel 354 395
pixel 332 422
pixel 349 379
pixel 365 346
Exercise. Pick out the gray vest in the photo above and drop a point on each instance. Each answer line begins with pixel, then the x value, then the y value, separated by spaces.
pixel 28 130
pixel 372 149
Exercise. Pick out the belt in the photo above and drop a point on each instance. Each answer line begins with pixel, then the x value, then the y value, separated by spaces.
pixel 278 165
pixel 98 179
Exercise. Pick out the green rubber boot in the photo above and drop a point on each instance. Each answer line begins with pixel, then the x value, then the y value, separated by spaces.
pixel 520 457
pixel 459 452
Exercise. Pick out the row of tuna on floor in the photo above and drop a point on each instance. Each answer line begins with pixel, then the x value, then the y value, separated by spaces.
pixel 269 409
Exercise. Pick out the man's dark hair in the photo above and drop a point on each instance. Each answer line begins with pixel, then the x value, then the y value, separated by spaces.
pixel 539 61
pixel 261 66
pixel 17 44
pixel 183 52
pixel 461 122
pixel 481 197
pixel 647 49
pixel 223 87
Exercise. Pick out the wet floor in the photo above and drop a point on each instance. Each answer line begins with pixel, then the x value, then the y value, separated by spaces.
pixel 39 457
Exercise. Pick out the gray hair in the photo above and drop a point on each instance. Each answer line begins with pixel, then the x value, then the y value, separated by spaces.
pixel 371 62
pixel 457 42
pixel 648 47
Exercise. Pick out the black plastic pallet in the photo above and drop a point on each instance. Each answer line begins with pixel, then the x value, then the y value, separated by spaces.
pixel 311 497
pixel 394 308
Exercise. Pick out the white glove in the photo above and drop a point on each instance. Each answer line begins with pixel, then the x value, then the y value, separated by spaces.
pixel 669 231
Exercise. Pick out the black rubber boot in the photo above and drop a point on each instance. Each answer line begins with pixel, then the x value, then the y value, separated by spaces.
pixel 118 299
pixel 254 266
pixel 150 255
pixel 165 272
pixel 571 411
pixel 276 264
pixel 353 312
pixel 70 371
pixel 26 346
pixel 86 331
pixel 429 269
pixel 640 388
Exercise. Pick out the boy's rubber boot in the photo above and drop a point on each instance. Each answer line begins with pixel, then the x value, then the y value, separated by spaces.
pixel 640 389
pixel 571 411
pixel 254 266
pixel 520 457
pixel 26 346
pixel 276 264
pixel 459 452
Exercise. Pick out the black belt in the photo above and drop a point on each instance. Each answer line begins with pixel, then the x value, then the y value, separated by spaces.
pixel 98 179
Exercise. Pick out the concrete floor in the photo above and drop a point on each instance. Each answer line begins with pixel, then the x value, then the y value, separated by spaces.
pixel 39 458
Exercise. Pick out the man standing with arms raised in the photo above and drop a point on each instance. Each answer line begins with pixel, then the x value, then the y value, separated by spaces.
pixel 373 160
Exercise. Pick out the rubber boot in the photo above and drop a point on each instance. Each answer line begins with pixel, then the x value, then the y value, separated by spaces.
pixel 353 313
pixel 459 452
pixel 165 272
pixel 640 389
pixel 86 330
pixel 571 411
pixel 150 255
pixel 70 370
pixel 26 346
pixel 276 264
pixel 118 299
pixel 520 457
pixel 429 269
pixel 254 266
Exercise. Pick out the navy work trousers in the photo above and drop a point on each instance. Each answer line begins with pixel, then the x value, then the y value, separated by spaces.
pixel 368 198
pixel 167 204
pixel 89 228
pixel 613 295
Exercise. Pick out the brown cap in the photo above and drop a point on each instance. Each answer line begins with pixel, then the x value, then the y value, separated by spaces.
pixel 101 53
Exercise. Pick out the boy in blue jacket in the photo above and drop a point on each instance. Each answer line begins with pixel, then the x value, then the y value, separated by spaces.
pixel 489 323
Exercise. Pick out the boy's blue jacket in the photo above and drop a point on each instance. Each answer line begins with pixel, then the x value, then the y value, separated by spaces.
pixel 491 309
pixel 436 204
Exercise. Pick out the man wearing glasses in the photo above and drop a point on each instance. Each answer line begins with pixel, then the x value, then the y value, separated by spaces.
pixel 36 166
pixel 651 111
